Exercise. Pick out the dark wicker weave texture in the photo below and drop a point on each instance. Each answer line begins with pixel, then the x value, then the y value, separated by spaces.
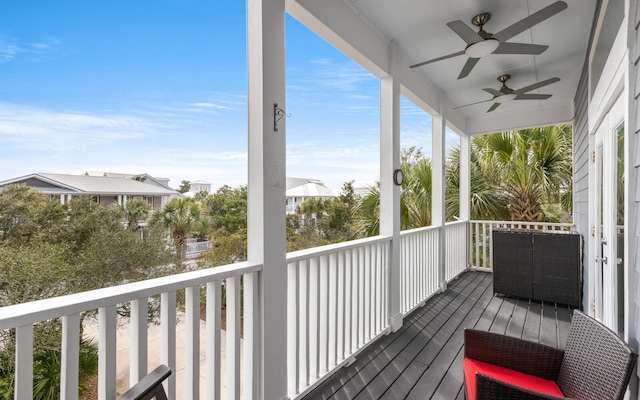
pixel 557 268
pixel 595 365
pixel 513 263
pixel 513 353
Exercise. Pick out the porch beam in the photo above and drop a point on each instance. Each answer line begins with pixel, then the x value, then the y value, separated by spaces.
pixel 266 192
pixel 389 191
pixel 438 217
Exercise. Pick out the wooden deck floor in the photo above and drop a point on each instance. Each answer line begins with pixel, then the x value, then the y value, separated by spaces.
pixel 423 359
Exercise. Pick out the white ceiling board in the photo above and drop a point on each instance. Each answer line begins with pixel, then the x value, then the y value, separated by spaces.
pixel 419 29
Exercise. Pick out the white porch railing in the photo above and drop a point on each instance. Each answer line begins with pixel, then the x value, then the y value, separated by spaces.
pixel 455 240
pixel 337 303
pixel 195 248
pixel 418 266
pixel 481 238
pixel 22 317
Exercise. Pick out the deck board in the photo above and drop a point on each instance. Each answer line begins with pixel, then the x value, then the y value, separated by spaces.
pixel 423 359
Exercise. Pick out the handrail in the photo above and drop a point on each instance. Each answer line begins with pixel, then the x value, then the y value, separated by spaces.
pixel 39 310
pixel 332 248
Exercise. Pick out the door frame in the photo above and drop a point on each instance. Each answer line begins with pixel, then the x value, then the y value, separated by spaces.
pixel 604 282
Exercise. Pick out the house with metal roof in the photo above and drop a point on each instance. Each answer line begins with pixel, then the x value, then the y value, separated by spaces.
pixel 106 190
pixel 301 189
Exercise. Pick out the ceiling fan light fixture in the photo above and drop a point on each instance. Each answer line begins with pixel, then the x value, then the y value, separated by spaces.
pixel 482 48
pixel 505 98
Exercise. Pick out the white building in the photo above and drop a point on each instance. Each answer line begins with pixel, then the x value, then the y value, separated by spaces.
pixel 301 189
pixel 104 189
pixel 200 186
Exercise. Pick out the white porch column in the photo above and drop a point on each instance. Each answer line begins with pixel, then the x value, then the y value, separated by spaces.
pixel 390 192
pixel 266 196
pixel 438 217
pixel 465 177
pixel 465 189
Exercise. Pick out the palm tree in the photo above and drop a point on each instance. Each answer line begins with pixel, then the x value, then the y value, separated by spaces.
pixel 415 197
pixel 530 169
pixel 484 203
pixel 181 216
pixel 135 210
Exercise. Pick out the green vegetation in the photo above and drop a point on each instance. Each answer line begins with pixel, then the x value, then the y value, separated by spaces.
pixel 48 249
pixel 181 216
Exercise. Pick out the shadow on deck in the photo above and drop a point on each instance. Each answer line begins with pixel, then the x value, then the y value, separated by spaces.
pixel 423 359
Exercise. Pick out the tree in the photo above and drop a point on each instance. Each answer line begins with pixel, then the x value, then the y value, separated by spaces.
pixel 135 210
pixel 185 186
pixel 227 211
pixel 48 249
pixel 25 213
pixel 485 204
pixel 415 197
pixel 181 216
pixel 530 169
pixel 227 208
pixel 140 178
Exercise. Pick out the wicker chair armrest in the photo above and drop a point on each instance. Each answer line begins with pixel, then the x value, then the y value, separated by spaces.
pixel 150 386
pixel 488 388
pixel 513 353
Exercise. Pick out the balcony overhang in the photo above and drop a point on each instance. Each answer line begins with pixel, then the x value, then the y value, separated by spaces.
pixel 386 38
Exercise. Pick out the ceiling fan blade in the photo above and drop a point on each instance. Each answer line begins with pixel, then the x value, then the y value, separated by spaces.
pixel 493 107
pixel 437 59
pixel 530 21
pixel 493 92
pixel 520 48
pixel 532 96
pixel 468 66
pixel 465 32
pixel 536 86
pixel 472 104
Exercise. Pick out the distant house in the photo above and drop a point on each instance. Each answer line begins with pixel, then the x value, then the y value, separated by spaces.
pixel 200 186
pixel 301 189
pixel 106 190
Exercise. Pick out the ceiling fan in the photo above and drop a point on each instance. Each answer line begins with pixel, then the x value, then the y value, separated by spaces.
pixel 483 43
pixel 506 94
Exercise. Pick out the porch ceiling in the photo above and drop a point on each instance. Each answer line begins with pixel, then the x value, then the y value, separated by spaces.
pixel 365 29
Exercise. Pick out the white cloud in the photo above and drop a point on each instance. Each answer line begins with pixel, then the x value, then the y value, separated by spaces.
pixel 211 105
pixel 14 50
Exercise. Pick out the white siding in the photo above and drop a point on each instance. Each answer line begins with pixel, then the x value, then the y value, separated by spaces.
pixel 581 171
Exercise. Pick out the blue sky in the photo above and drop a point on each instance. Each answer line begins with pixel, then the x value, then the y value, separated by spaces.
pixel 160 87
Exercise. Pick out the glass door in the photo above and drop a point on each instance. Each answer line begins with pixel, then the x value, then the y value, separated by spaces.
pixel 607 220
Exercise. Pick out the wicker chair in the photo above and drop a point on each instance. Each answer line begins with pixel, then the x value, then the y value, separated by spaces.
pixel 596 364
pixel 149 387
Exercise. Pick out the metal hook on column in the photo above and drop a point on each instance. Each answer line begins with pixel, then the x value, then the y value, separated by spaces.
pixel 278 114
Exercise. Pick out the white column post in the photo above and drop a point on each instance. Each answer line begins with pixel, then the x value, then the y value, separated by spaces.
pixel 389 191
pixel 465 177
pixel 438 217
pixel 266 192
pixel 465 190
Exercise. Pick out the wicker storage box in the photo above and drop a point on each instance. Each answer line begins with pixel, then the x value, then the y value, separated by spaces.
pixel 542 266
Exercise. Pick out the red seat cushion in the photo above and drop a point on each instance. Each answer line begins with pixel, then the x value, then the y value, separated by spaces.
pixel 530 382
